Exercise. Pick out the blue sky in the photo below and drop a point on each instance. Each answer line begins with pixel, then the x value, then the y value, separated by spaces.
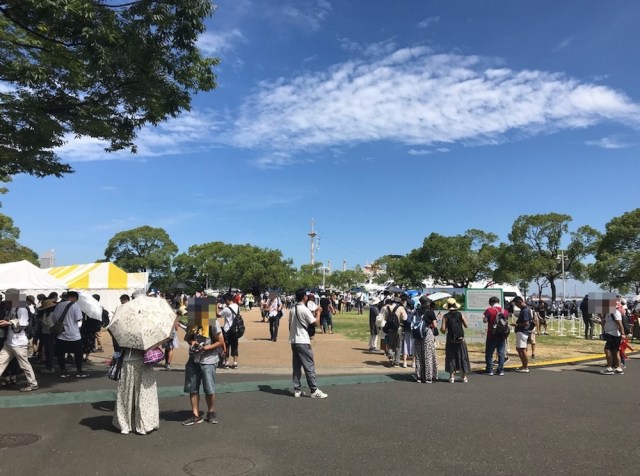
pixel 383 121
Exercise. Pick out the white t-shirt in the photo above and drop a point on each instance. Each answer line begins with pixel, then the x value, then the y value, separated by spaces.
pixel 15 339
pixel 610 326
pixel 274 304
pixel 312 306
pixel 227 315
pixel 297 333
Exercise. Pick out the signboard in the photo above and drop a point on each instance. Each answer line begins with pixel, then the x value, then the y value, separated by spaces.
pixel 478 299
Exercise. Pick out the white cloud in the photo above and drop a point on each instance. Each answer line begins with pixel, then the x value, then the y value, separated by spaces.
pixel 185 134
pixel 215 44
pixel 610 143
pixel 304 14
pixel 419 152
pixel 6 88
pixel 414 97
pixel 427 22
pixel 563 44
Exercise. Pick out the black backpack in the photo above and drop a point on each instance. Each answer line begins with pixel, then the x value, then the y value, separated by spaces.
pixel 105 317
pixel 237 325
pixel 32 326
pixel 455 331
pixel 392 322
pixel 501 326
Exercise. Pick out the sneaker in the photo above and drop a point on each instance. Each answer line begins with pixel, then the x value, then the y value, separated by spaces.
pixel 608 371
pixel 211 418
pixel 235 365
pixel 318 394
pixel 533 357
pixel 618 370
pixel 50 371
pixel 124 432
pixel 427 381
pixel 29 388
pixel 64 375
pixel 465 380
pixel 522 370
pixel 506 360
pixel 298 393
pixel 193 420
pixel 142 432
pixel 82 375
pixel 404 365
pixel 452 380
pixel 501 373
pixel 490 372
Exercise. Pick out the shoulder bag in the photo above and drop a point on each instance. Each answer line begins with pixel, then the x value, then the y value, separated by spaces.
pixel 58 327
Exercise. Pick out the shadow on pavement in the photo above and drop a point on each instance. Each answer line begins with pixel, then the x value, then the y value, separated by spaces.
pixel 100 423
pixel 180 415
pixel 105 406
pixel 275 391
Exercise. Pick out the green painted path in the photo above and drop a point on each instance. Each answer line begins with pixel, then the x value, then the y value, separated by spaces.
pixel 92 396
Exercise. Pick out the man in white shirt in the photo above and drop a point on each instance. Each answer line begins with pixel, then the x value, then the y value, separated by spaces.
pixel 17 342
pixel 69 340
pixel 613 332
pixel 228 313
pixel 300 318
pixel 275 313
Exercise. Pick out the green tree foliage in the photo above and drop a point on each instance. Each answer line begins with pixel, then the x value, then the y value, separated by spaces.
pixel 388 267
pixel 617 263
pixel 450 260
pixel 221 265
pixel 346 280
pixel 308 276
pixel 143 249
pixel 535 250
pixel 94 68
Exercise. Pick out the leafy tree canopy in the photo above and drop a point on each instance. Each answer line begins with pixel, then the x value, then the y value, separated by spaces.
pixel 93 68
pixel 142 249
pixel 617 263
pixel 220 265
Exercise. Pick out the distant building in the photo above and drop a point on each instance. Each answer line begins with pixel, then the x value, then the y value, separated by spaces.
pixel 47 260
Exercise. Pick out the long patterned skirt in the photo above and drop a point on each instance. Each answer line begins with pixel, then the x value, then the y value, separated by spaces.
pixel 425 357
pixel 137 406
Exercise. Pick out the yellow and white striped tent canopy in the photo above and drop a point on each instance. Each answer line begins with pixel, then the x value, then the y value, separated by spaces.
pixel 93 276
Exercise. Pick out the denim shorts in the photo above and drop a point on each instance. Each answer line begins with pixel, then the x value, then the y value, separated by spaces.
pixel 196 373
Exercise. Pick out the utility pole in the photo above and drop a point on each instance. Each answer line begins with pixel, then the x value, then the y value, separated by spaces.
pixel 313 235
pixel 344 265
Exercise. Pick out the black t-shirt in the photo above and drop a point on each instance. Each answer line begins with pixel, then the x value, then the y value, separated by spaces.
pixel 324 304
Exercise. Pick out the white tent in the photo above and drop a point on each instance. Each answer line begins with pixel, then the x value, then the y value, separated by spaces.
pixel 27 277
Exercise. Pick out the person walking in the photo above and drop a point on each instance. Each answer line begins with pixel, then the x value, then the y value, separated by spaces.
pixel 456 353
pixel 274 307
pixel 70 340
pixel 425 348
pixel 300 321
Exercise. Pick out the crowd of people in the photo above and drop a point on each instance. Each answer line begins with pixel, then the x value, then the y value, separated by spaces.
pixel 404 329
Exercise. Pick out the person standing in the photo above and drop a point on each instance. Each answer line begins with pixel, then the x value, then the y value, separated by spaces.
pixel 228 313
pixel 274 307
pixel 374 310
pixel 326 314
pixel 70 340
pixel 425 348
pixel 300 319
pixel 613 332
pixel 395 314
pixel 587 318
pixel 493 342
pixel 523 327
pixel 205 347
pixel 17 342
pixel 456 353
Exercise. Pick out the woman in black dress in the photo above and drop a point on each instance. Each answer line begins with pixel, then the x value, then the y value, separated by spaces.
pixel 456 354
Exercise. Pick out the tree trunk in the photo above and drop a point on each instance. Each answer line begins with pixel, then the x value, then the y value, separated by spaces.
pixel 552 285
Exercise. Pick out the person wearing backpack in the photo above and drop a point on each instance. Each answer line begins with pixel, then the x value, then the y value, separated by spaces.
pixel 456 353
pixel 228 313
pixel 496 341
pixel 424 341
pixel 395 315
pixel 523 327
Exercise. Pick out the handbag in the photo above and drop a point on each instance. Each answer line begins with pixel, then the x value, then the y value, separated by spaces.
pixel 153 356
pixel 58 327
pixel 115 369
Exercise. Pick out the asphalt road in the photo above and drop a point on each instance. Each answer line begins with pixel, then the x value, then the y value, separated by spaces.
pixel 569 420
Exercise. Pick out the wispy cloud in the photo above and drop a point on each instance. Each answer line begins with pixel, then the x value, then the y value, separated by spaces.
pixel 427 22
pixel 187 133
pixel 303 14
pixel 563 44
pixel 419 152
pixel 414 97
pixel 611 143
pixel 214 44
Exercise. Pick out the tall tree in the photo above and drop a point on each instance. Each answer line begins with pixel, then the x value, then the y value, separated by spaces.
pixel 10 249
pixel 142 249
pixel 94 68
pixel 535 250
pixel 222 265
pixel 617 263
pixel 451 260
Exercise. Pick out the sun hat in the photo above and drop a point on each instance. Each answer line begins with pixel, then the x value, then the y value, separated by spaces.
pixel 424 301
pixel 46 304
pixel 452 304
